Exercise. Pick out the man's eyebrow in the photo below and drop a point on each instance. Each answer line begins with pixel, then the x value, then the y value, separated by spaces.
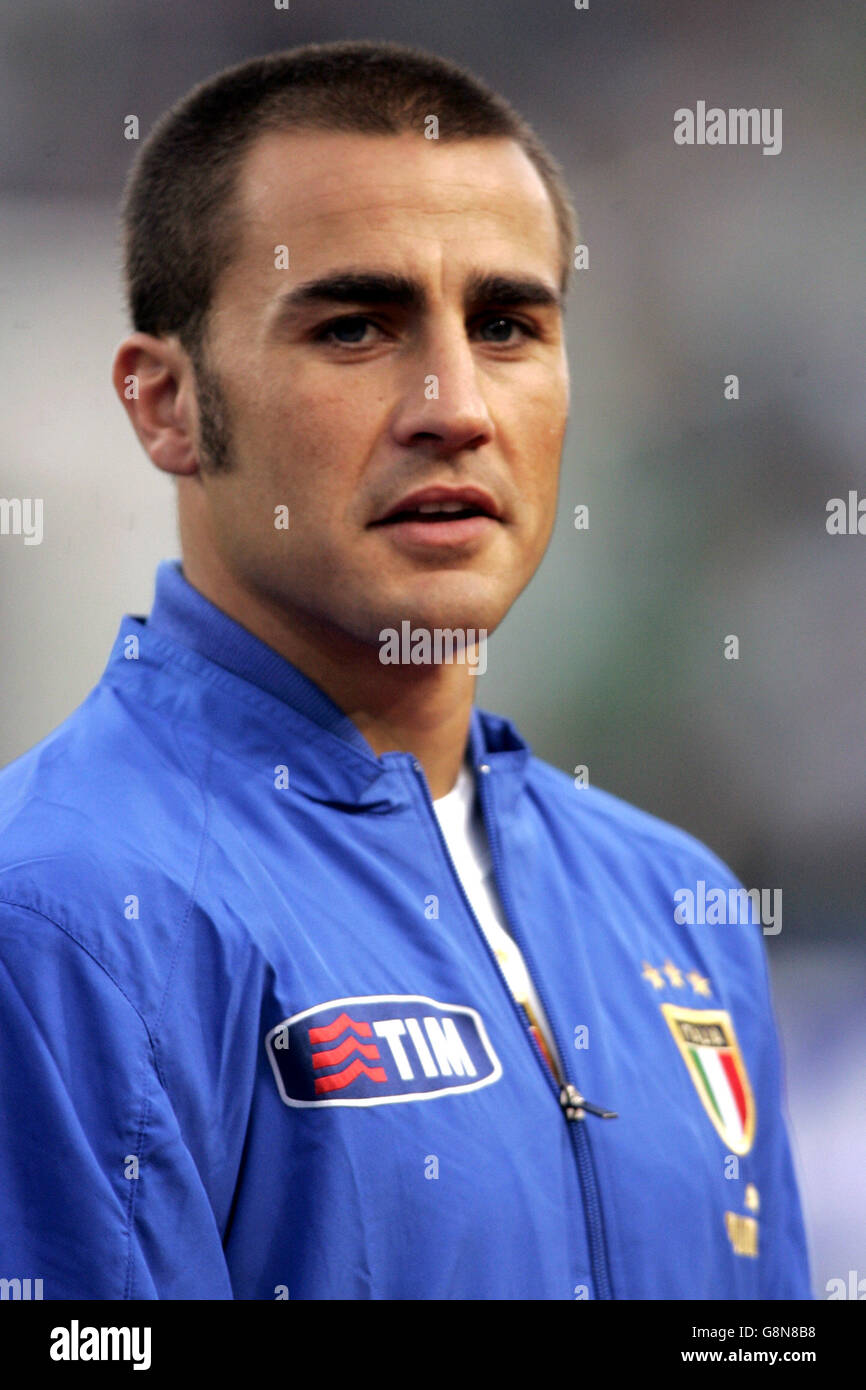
pixel 352 287
pixel 511 290
pixel 387 287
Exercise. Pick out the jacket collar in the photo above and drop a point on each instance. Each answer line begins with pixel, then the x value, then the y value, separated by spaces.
pixel 254 687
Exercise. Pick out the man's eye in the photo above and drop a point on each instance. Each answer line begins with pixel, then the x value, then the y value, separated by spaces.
pixel 345 331
pixel 351 330
pixel 500 327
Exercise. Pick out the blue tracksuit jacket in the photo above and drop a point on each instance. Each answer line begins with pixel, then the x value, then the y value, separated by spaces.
pixel 255 1044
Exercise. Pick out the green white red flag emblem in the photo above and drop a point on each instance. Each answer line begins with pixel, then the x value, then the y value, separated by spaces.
pixel 708 1046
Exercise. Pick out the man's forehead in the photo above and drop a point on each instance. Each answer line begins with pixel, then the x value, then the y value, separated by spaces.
pixel 320 188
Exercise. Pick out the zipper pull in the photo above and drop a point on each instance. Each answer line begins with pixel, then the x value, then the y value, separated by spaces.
pixel 575 1106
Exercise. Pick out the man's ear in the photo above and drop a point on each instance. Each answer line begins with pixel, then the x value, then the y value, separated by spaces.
pixel 154 380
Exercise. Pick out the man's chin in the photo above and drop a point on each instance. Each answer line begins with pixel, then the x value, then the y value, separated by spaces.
pixel 444 600
pixel 467 618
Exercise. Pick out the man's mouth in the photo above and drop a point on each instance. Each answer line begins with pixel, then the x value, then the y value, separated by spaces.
pixel 437 516
pixel 440 504
pixel 433 511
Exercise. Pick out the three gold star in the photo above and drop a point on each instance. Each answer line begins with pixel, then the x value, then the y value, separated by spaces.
pixel 700 983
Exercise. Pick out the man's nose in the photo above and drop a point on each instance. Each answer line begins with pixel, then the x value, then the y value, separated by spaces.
pixel 442 396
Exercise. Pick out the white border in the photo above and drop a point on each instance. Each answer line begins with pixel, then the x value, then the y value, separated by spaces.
pixel 384 1100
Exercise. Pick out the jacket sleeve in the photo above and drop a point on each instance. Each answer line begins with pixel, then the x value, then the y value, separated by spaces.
pixel 99 1195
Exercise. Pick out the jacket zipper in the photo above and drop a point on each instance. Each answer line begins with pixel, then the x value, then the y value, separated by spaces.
pixel 569 1099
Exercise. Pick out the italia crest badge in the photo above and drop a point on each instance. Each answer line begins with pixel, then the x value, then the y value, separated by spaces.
pixel 708 1046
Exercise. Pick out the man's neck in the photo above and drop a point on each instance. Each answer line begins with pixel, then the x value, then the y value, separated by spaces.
pixel 422 710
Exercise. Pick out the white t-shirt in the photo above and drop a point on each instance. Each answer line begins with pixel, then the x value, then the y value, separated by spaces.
pixel 459 815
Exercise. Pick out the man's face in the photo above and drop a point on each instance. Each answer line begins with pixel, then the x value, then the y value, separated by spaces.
pixel 445 370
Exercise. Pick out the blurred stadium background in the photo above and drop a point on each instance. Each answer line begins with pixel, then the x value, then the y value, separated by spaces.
pixel 707 517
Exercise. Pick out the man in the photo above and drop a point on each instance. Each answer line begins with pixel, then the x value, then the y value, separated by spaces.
pixel 316 982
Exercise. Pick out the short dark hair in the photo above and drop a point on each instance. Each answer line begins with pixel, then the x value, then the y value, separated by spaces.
pixel 180 220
